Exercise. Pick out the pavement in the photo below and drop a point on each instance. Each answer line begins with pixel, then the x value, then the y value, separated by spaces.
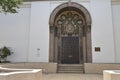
pixel 63 76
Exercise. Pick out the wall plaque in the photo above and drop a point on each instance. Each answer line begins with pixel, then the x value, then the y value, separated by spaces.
pixel 97 49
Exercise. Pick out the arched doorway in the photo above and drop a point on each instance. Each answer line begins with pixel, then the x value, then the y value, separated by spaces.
pixel 70 34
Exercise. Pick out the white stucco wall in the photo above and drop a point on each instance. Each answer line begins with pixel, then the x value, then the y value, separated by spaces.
pixel 39 30
pixel 116 24
pixel 14 33
pixel 102 31
pixel 27 32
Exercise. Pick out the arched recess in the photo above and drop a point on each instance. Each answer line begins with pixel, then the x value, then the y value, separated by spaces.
pixel 86 38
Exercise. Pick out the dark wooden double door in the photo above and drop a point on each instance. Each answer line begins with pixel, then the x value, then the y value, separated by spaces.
pixel 71 50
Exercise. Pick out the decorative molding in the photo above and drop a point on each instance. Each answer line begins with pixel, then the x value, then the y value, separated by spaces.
pixel 54 0
pixel 52 29
pixel 67 0
pixel 70 22
pixel 26 5
pixel 116 3
pixel 55 40
pixel 74 5
pixel 115 0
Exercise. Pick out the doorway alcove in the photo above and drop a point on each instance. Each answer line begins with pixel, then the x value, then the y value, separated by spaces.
pixel 70 34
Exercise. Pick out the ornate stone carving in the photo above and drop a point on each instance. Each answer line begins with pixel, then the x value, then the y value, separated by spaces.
pixel 70 22
pixel 71 19
pixel 71 4
pixel 51 29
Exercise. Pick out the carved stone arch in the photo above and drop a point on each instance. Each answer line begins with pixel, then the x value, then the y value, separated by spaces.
pixel 86 39
pixel 71 4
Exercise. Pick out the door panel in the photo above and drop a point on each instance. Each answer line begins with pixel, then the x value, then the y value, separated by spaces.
pixel 70 50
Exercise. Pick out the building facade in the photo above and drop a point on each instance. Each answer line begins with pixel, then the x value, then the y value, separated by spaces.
pixel 67 32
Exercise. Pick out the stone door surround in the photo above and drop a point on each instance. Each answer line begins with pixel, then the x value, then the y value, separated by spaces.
pixel 86 39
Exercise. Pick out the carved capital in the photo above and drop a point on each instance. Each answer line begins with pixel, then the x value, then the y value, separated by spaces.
pixel 51 29
pixel 89 28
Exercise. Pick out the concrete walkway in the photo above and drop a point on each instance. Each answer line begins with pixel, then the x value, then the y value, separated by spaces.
pixel 72 77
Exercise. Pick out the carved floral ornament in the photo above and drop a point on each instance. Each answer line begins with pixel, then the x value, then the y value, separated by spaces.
pixel 70 22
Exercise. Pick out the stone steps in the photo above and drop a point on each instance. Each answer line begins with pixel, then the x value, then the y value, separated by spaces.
pixel 70 68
